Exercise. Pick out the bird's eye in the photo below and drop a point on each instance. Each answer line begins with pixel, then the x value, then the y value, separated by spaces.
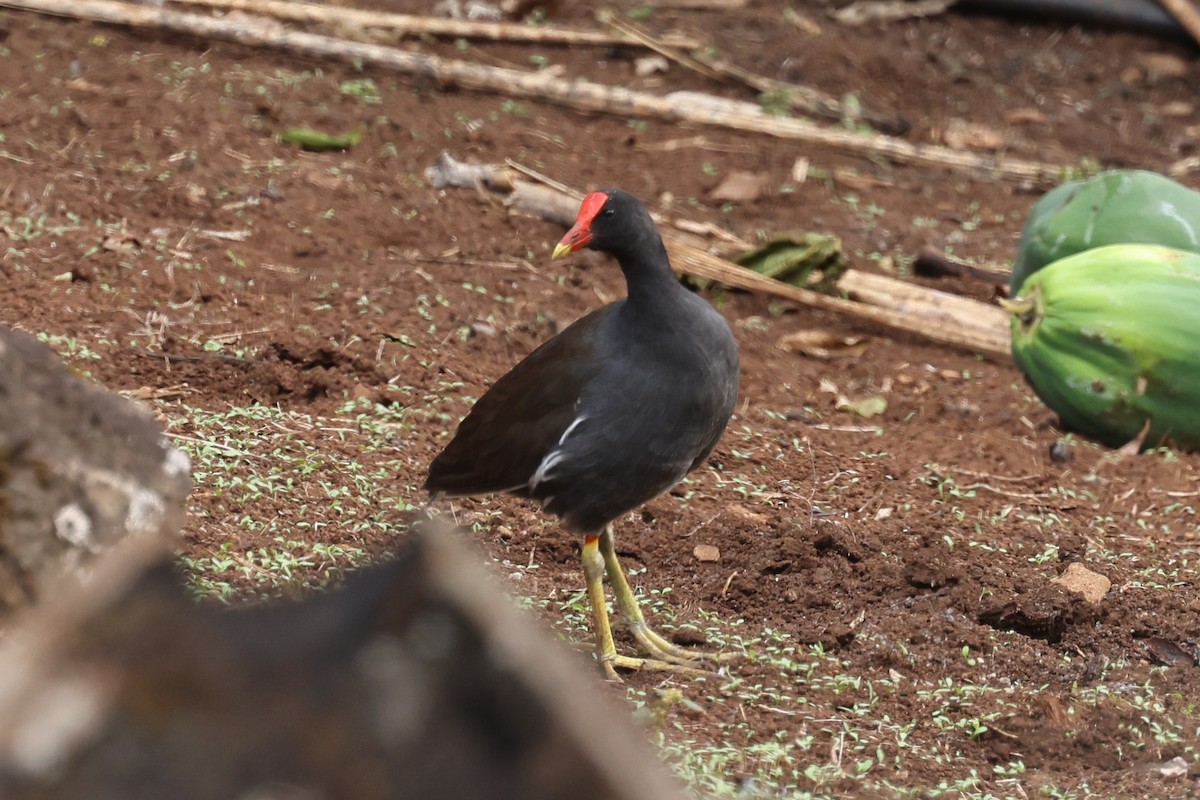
pixel 608 212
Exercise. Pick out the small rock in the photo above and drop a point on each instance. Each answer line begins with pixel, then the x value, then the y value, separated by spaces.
pixel 482 329
pixel 1061 452
pixel 81 468
pixel 1078 578
pixel 1175 768
pixel 707 553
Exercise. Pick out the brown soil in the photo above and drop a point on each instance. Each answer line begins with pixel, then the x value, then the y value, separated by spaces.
pixel 918 548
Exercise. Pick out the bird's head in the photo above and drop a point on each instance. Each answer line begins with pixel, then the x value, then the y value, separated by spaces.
pixel 608 221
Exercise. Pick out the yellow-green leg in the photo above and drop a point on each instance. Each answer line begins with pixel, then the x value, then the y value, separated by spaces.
pixel 593 573
pixel 595 564
pixel 654 644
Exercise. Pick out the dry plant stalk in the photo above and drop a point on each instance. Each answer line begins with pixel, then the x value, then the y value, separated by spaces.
pixel 933 315
pixel 700 5
pixel 932 261
pixel 1184 166
pixel 885 301
pixel 583 95
pixel 402 25
pixel 1186 13
pixel 865 11
pixel 802 98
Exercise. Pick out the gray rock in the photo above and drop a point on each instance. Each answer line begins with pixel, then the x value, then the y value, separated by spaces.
pixel 80 469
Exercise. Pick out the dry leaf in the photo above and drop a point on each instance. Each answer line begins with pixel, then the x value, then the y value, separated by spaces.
pixel 1162 65
pixel 963 135
pixel 857 181
pixel 818 343
pixel 649 65
pixel 79 86
pixel 740 186
pixel 196 195
pixel 741 512
pixel 1178 108
pixel 1031 115
pixel 707 553
pixel 800 169
pixel 1135 445
pixel 865 407
pixel 226 236
pixel 1168 653
pixel 121 242
pixel 802 22
pixel 324 180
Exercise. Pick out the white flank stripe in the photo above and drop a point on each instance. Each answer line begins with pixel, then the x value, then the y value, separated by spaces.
pixel 555 456
pixel 574 424
pixel 543 471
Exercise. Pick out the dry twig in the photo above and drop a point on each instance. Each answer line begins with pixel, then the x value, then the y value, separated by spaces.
pixel 889 10
pixel 885 301
pixel 580 94
pixel 1186 13
pixel 803 98
pixel 931 261
pixel 407 25
pixel 1183 166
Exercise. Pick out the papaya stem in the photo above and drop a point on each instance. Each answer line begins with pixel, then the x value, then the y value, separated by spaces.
pixel 1023 308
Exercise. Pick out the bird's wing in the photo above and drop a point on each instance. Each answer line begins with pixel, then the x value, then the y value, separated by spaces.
pixel 510 430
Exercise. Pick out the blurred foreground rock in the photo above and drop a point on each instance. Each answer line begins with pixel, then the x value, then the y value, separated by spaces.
pixel 417 679
pixel 80 469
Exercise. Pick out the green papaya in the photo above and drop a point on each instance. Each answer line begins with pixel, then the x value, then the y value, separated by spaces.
pixel 1109 208
pixel 1110 340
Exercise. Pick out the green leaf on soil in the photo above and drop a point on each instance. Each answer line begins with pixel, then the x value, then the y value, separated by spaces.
pixel 866 407
pixel 801 258
pixel 318 141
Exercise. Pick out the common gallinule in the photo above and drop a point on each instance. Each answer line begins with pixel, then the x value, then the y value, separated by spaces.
pixel 611 412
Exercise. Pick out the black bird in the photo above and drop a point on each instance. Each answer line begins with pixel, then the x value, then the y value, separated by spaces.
pixel 611 412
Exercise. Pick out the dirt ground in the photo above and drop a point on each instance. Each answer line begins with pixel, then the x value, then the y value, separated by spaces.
pixel 148 206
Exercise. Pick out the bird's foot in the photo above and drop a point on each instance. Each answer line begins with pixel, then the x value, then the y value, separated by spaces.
pixel 660 648
pixel 611 663
pixel 663 656
pixel 600 560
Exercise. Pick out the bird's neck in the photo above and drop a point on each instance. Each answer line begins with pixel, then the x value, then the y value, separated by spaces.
pixel 648 272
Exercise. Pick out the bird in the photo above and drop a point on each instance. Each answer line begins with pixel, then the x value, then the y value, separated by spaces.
pixel 609 413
